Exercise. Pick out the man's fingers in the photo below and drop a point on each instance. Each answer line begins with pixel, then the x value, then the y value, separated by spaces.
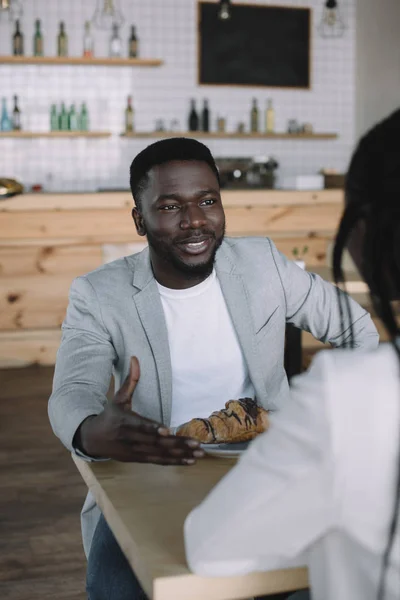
pixel 124 394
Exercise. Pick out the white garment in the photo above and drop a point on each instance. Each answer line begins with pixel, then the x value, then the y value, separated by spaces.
pixel 317 488
pixel 208 367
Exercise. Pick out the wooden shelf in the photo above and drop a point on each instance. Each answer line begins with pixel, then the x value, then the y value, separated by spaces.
pixel 54 134
pixel 236 136
pixel 79 60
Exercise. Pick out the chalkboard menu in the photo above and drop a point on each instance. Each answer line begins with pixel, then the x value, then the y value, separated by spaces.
pixel 258 46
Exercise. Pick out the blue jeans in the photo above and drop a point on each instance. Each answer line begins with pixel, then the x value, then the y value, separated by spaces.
pixel 110 577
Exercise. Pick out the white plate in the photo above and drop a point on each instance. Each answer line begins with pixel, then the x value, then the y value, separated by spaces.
pixel 225 450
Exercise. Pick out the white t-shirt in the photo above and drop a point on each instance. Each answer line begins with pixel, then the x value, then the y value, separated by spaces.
pixel 208 366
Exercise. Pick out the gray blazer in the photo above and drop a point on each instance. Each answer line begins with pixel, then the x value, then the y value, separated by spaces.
pixel 115 312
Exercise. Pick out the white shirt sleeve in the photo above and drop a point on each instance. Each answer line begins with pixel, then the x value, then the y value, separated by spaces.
pixel 280 497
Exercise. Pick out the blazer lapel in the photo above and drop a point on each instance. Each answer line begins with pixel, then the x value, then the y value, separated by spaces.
pixel 149 307
pixel 238 303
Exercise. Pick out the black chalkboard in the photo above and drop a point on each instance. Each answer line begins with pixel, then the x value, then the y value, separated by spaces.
pixel 258 46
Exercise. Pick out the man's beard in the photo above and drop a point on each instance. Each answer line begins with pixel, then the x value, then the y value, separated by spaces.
pixel 164 250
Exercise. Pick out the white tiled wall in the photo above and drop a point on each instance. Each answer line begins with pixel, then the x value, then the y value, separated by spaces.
pixel 166 30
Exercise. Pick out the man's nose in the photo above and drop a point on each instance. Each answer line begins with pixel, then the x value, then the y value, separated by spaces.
pixel 192 217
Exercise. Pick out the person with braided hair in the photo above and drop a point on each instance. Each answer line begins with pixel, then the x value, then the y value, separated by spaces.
pixel 322 486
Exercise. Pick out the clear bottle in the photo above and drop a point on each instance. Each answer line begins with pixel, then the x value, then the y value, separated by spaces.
pixel 129 116
pixel 62 41
pixel 38 40
pixel 133 50
pixel 63 119
pixel 16 116
pixel 254 117
pixel 84 118
pixel 73 119
pixel 270 117
pixel 88 43
pixel 18 41
pixel 205 116
pixel 193 117
pixel 54 120
pixel 115 43
pixel 5 121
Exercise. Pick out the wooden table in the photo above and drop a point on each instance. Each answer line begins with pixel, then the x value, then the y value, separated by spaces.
pixel 146 505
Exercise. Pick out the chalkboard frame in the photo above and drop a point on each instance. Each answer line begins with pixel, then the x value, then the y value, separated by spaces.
pixel 286 87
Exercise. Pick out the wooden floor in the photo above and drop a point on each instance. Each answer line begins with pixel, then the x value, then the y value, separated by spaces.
pixel 41 494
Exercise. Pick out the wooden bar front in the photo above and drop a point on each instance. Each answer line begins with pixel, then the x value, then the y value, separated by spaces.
pixel 48 239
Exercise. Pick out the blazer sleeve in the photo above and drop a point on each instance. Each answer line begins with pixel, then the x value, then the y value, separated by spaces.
pixel 312 304
pixel 279 499
pixel 84 364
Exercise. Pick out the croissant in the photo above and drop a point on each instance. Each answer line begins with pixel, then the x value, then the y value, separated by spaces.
pixel 240 421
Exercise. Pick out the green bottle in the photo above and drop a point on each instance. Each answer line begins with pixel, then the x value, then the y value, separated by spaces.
pixel 37 40
pixel 84 118
pixel 54 122
pixel 73 119
pixel 63 119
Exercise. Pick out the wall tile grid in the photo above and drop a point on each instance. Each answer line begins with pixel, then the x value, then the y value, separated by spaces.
pixel 166 30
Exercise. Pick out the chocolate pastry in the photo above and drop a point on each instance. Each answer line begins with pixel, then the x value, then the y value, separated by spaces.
pixel 240 421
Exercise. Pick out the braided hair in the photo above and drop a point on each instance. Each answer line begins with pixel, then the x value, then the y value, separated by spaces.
pixel 372 207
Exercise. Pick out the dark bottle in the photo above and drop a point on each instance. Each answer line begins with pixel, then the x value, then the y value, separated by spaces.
pixel 62 41
pixel 18 41
pixel 129 124
pixel 254 117
pixel 37 40
pixel 193 117
pixel 16 116
pixel 205 117
pixel 133 50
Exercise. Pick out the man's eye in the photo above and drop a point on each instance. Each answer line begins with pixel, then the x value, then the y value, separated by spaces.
pixel 208 202
pixel 169 207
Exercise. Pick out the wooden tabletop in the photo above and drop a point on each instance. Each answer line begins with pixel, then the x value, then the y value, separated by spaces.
pixel 146 505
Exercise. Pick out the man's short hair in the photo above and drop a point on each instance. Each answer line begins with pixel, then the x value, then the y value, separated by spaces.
pixel 185 149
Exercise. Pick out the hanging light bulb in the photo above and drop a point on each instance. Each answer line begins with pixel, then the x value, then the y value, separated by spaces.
pixel 11 8
pixel 106 15
pixel 224 10
pixel 332 24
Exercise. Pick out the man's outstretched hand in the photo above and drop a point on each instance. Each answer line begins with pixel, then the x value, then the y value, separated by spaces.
pixel 121 434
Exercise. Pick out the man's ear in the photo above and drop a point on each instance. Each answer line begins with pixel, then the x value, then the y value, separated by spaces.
pixel 137 217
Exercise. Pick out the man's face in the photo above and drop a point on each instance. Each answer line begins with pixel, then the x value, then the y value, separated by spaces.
pixel 183 219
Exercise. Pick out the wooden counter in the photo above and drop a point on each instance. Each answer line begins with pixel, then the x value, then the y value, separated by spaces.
pixel 48 239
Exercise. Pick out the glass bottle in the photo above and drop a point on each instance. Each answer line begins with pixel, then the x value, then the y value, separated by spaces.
pixel 62 41
pixel 38 40
pixel 63 119
pixel 84 118
pixel 18 41
pixel 254 117
pixel 193 117
pixel 133 50
pixel 129 124
pixel 115 43
pixel 16 116
pixel 205 116
pixel 88 43
pixel 73 119
pixel 270 117
pixel 5 121
pixel 54 121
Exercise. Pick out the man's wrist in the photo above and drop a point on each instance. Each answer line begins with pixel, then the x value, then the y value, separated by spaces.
pixel 82 437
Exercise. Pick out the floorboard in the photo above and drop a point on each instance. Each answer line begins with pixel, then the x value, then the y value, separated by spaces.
pixel 41 555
